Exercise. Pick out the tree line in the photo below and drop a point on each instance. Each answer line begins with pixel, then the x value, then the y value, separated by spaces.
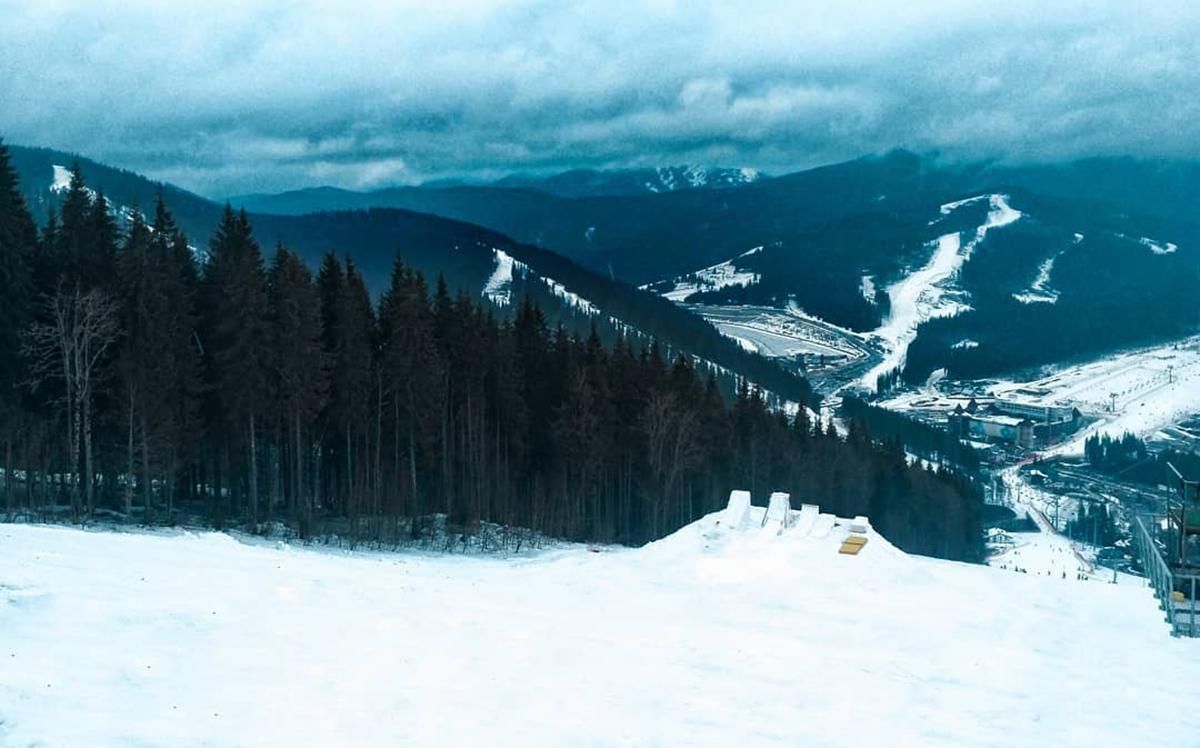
pixel 1128 458
pixel 146 381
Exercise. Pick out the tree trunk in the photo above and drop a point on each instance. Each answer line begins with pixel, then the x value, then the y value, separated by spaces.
pixel 8 476
pixel 298 467
pixel 349 504
pixel 412 464
pixel 129 460
pixel 89 485
pixel 253 472
pixel 378 443
pixel 147 509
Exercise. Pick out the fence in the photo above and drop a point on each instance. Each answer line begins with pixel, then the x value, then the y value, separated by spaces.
pixel 1175 590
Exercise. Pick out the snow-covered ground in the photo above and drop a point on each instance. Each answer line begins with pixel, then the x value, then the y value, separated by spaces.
pixel 1152 389
pixel 498 287
pixel 714 636
pixel 62 179
pixel 1040 292
pixel 925 293
pixel 713 278
pixel 570 298
pixel 1047 552
pixel 781 333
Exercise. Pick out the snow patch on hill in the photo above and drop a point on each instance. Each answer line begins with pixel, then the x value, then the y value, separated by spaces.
pixel 712 278
pixel 498 288
pixel 867 288
pixel 573 300
pixel 1039 291
pixel 1158 248
pixel 62 179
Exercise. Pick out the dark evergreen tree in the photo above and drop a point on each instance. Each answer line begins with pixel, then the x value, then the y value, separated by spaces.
pixel 298 370
pixel 237 351
pixel 18 244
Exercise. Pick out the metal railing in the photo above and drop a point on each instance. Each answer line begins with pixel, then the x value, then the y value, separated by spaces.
pixel 1181 614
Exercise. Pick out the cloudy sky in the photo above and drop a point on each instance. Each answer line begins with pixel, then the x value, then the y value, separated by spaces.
pixel 267 95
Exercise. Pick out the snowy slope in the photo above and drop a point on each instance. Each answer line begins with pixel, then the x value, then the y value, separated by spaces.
pixel 1152 388
pixel 713 636
pixel 924 294
pixel 498 287
pixel 712 278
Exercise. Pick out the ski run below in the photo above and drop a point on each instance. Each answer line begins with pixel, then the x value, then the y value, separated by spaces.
pixel 923 294
pixel 735 631
pixel 713 278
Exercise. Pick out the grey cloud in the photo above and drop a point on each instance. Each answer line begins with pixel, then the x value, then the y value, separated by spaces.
pixel 277 94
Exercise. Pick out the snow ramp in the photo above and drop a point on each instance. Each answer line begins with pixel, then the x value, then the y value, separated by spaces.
pixel 778 535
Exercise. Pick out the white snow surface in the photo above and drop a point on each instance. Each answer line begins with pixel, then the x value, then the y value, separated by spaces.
pixel 1153 387
pixel 759 636
pixel 1158 248
pixel 1040 291
pixel 867 287
pixel 713 278
pixel 925 294
pixel 62 179
pixel 498 288
pixel 572 299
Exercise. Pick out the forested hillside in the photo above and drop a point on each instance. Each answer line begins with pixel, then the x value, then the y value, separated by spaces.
pixel 149 383
pixel 464 254
pixel 1067 281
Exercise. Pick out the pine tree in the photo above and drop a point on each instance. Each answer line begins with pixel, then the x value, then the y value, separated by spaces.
pixel 237 346
pixel 179 358
pixel 18 243
pixel 298 365
pixel 413 370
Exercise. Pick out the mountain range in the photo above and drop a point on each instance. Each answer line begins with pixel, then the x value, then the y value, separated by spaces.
pixel 1094 241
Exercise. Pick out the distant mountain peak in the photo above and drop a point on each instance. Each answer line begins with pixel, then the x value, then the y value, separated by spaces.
pixel 638 181
pixel 693 176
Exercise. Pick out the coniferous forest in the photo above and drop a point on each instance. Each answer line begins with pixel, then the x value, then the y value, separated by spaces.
pixel 146 381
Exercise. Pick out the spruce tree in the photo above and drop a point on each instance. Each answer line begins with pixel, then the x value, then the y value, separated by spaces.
pixel 298 366
pixel 237 347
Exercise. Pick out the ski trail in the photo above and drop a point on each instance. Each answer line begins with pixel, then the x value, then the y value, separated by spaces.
pixel 921 295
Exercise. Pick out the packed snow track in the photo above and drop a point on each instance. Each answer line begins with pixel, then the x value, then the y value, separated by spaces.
pixel 746 631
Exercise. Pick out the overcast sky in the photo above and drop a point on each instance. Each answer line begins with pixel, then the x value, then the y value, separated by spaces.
pixel 268 95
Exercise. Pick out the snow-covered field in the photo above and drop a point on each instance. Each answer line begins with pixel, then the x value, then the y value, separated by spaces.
pixel 1152 389
pixel 714 636
pixel 925 294
pixel 713 278
pixel 781 333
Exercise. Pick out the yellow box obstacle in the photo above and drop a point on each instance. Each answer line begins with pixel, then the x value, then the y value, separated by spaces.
pixel 852 545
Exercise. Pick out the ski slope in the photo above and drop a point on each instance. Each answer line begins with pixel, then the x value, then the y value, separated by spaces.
pixel 925 294
pixel 738 630
pixel 1151 389
pixel 712 278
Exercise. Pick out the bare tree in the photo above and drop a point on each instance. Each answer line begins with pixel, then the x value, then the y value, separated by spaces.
pixel 672 438
pixel 69 346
